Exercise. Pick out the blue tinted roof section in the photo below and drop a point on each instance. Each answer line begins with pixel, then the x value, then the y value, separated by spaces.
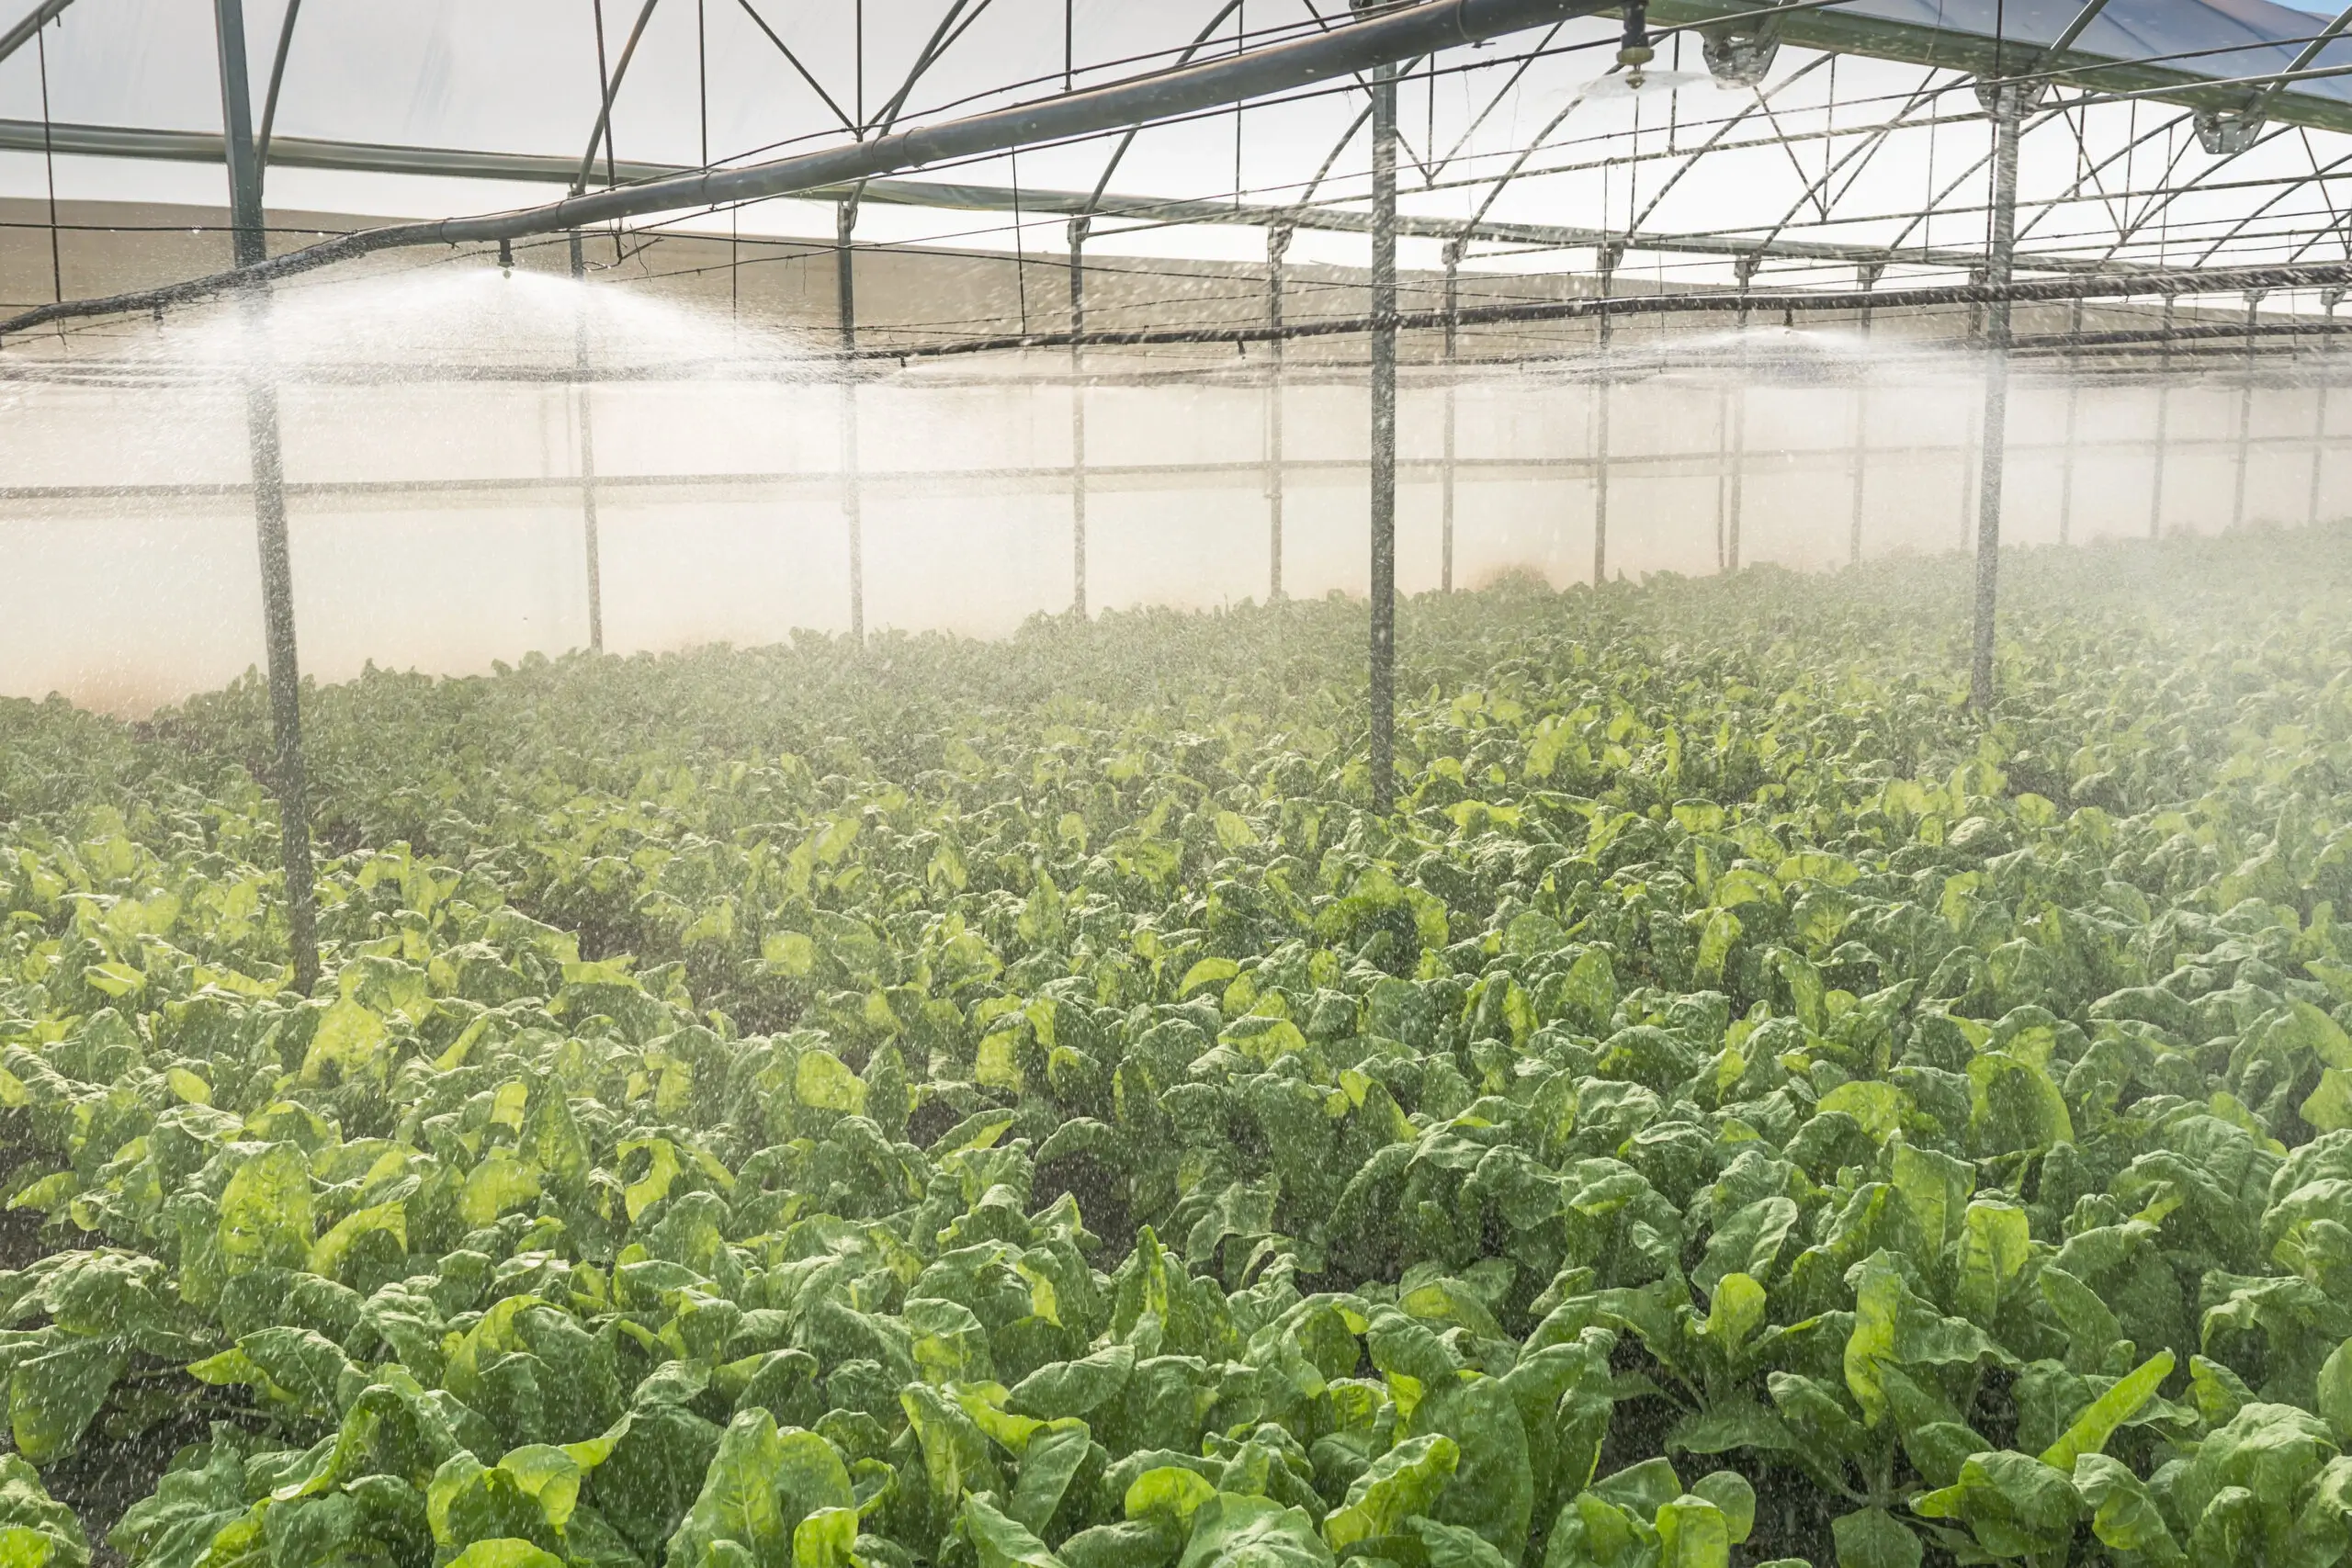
pixel 2203 51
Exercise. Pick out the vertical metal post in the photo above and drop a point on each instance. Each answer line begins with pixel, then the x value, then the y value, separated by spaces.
pixel 2246 410
pixel 1608 258
pixel 2007 111
pixel 1384 436
pixel 1722 476
pixel 1079 228
pixel 268 454
pixel 582 395
pixel 1871 273
pixel 2163 422
pixel 2329 299
pixel 853 495
pixel 1453 358
pixel 2073 403
pixel 1277 245
pixel 1744 270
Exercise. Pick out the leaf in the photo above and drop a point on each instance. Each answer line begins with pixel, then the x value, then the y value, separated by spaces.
pixel 1048 1465
pixel 1729 1491
pixel 821 1081
pixel 54 1395
pixel 505 1552
pixel 1232 1531
pixel 1693 1533
pixel 1000 1542
pixel 1872 1537
pixel 1074 1388
pixel 1996 1242
pixel 2092 1429
pixel 2015 1106
pixel 1170 1491
pixel 825 1538
pixel 35 1530
pixel 1405 1481
pixel 2015 1505
pixel 759 1488
pixel 2123 1514
pixel 265 1212
pixel 348 1043
pixel 386 1219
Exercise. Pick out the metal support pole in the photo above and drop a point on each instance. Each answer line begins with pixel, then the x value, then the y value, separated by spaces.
pixel 2246 410
pixel 1079 228
pixel 2008 110
pixel 2163 422
pixel 1608 258
pixel 852 497
pixel 2329 298
pixel 2073 403
pixel 1870 272
pixel 1383 437
pixel 268 454
pixel 1277 245
pixel 583 396
pixel 1453 358
pixel 1722 478
pixel 1743 271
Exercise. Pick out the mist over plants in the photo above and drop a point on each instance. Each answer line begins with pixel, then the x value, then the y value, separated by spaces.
pixel 1013 1104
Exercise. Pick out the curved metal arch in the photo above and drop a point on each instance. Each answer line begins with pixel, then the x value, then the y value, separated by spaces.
pixel 2336 220
pixel 1127 138
pixel 1929 209
pixel 1709 145
pixel 612 91
pixel 1868 149
pixel 2093 172
pixel 1330 161
pixel 2286 188
pixel 277 81
pixel 942 39
pixel 1934 203
pixel 2164 199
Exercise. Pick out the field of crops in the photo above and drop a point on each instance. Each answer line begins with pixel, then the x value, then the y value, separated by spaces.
pixel 1010 1106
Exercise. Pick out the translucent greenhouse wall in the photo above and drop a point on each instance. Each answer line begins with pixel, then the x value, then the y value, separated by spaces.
pixel 439 527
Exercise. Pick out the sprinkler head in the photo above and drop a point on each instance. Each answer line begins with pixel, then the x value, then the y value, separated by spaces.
pixel 506 257
pixel 1635 52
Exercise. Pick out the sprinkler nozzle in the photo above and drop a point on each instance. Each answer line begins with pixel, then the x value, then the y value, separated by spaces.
pixel 506 257
pixel 1635 52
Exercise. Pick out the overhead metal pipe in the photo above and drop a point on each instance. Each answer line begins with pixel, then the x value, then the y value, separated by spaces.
pixel 1788 302
pixel 29 28
pixel 1345 51
pixel 266 449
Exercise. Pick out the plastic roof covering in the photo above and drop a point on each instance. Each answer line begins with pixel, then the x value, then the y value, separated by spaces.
pixel 2219 40
pixel 1854 152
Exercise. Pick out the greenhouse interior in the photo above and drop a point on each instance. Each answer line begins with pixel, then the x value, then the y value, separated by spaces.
pixel 669 904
